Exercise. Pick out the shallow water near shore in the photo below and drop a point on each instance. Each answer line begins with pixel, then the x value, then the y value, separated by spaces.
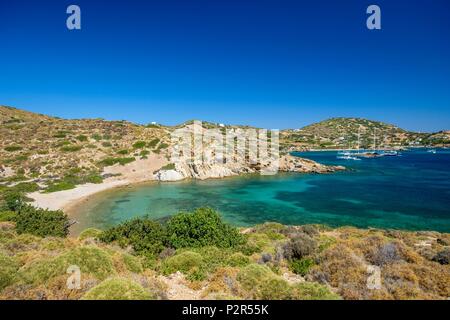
pixel 410 192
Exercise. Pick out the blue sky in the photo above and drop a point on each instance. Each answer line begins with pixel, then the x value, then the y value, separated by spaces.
pixel 274 64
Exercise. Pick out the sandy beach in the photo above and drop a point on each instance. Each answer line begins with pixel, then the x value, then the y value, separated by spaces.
pixel 63 200
pixel 138 171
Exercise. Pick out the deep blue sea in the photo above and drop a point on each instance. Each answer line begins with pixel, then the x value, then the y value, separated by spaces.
pixel 411 192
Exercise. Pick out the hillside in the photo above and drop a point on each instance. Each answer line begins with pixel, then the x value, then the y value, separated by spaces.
pixel 38 146
pixel 59 154
pixel 343 133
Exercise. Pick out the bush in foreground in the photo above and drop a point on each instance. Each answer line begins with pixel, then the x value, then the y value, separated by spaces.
pixel 13 200
pixel 42 222
pixel 90 259
pixel 118 289
pixel 7 216
pixel 147 237
pixel 203 227
pixel 299 247
pixel 185 262
pixel 261 283
pixel 59 186
pixel 8 269
pixel 89 233
pixel 301 266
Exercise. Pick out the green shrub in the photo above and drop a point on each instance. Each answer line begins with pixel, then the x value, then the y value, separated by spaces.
pixel 41 222
pixel 312 291
pixel 132 263
pixel 272 229
pixel 144 154
pixel 326 242
pixel 7 216
pixel 89 233
pixel 26 187
pixel 20 158
pixel 94 178
pixel 256 242
pixel 203 227
pixel 112 161
pixel 81 138
pixel 237 259
pixel 163 145
pixel 253 274
pixel 212 258
pixel 106 144
pixel 261 283
pixel 249 248
pixel 60 134
pixel 13 148
pixel 118 289
pixel 71 148
pixel 59 186
pixel 146 236
pixel 301 266
pixel 185 262
pixel 8 270
pixel 153 143
pixel 63 143
pixel 91 260
pixel 274 288
pixel 139 144
pixel 96 137
pixel 123 152
pixel 13 200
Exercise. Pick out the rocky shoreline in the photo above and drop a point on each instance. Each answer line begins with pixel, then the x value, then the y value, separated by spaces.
pixel 204 171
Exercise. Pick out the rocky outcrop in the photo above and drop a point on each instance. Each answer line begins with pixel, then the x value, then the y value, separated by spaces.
pixel 295 164
pixel 287 163
pixel 169 175
pixel 6 172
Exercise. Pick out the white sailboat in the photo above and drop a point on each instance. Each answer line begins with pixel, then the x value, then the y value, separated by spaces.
pixel 348 155
pixel 373 153
pixel 389 153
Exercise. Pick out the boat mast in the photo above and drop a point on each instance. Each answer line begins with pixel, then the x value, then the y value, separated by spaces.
pixel 374 139
pixel 359 135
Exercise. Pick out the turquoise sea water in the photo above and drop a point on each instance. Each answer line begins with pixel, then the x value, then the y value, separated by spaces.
pixel 407 192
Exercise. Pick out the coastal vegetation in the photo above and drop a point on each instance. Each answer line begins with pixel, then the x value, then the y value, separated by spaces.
pixel 196 255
